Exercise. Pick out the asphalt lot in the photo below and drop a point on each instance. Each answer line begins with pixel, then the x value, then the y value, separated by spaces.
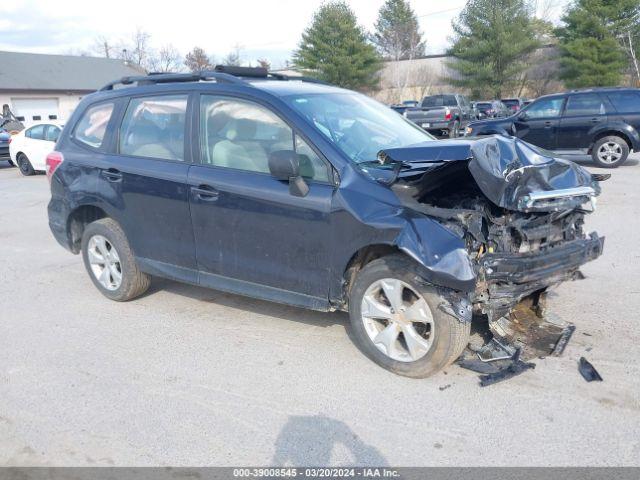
pixel 189 376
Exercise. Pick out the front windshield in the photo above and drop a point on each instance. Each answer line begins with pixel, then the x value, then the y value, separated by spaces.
pixel 359 126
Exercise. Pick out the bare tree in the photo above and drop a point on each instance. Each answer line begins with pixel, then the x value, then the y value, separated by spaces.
pixel 197 60
pixel 424 78
pixel 264 63
pixel 141 51
pixel 166 59
pixel 103 47
pixel 233 58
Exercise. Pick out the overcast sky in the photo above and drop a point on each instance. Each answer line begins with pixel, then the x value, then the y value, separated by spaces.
pixel 264 28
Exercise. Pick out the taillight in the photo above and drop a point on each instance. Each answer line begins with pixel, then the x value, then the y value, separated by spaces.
pixel 54 159
pixel 10 138
pixel 447 114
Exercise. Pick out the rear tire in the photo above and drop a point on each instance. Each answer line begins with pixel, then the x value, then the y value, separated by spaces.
pixel 110 262
pixel 24 165
pixel 440 338
pixel 610 152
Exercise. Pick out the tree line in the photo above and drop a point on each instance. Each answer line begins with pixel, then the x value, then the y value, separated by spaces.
pixel 493 45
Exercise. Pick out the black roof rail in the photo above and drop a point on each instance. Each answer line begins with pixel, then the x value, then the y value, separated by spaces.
pixel 154 78
pixel 221 73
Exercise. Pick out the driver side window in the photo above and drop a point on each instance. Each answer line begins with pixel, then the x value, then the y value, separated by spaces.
pixel 545 108
pixel 242 135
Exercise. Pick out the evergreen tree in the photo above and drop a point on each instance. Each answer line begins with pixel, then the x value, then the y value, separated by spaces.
pixel 591 41
pixel 491 44
pixel 397 33
pixel 335 49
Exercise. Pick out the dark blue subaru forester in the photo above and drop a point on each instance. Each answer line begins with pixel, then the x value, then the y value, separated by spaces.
pixel 302 193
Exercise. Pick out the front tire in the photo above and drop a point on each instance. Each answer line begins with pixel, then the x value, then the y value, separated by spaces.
pixel 396 320
pixel 24 165
pixel 610 152
pixel 110 262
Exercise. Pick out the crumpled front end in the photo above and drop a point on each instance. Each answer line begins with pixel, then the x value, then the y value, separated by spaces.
pixel 520 213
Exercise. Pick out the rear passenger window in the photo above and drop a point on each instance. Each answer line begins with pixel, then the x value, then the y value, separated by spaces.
pixel 93 125
pixel 37 132
pixel 625 102
pixel 590 104
pixel 154 127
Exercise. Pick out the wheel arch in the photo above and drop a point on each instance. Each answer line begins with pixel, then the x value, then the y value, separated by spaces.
pixel 611 133
pixel 78 220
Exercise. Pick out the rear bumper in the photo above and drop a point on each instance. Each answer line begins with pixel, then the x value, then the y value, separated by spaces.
pixel 58 215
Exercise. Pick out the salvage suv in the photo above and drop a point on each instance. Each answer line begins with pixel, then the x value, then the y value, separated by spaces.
pixel 310 195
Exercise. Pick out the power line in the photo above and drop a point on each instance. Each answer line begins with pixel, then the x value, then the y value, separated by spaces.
pixel 439 12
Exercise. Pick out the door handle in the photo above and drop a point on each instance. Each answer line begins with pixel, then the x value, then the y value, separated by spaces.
pixel 112 175
pixel 595 120
pixel 205 192
pixel 548 123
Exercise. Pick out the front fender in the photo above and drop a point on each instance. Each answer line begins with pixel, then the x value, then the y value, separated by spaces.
pixel 441 253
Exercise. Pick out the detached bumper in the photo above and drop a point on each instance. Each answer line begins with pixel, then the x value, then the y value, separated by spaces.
pixel 527 268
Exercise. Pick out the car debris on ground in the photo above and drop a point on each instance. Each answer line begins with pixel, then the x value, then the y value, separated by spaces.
pixel 588 371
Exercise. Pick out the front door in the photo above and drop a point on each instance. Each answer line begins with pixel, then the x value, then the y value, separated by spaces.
pixel 252 235
pixel 538 124
pixel 582 114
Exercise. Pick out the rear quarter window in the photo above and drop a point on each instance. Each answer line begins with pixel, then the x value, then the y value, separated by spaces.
pixel 625 102
pixel 92 127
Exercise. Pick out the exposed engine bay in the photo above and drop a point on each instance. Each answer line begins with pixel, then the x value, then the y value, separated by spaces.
pixel 522 233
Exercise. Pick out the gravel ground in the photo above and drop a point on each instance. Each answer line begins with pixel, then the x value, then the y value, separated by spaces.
pixel 189 376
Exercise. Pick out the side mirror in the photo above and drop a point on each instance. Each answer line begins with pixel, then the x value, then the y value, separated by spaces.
pixel 522 116
pixel 285 165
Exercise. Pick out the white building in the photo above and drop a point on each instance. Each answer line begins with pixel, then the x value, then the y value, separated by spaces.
pixel 48 87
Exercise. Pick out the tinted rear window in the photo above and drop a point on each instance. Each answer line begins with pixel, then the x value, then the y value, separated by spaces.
pixel 440 101
pixel 625 102
pixel 511 103
pixel 483 106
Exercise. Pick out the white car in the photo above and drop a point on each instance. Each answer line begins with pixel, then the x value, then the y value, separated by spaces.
pixel 29 148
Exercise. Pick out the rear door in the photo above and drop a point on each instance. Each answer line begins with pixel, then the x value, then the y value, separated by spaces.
pixel 247 225
pixel 538 124
pixel 146 179
pixel 582 114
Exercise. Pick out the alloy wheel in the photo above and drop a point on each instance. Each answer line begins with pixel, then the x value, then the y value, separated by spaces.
pixel 609 152
pixel 398 320
pixel 105 262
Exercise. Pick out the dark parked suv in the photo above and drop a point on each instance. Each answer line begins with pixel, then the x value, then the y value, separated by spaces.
pixel 603 122
pixel 315 196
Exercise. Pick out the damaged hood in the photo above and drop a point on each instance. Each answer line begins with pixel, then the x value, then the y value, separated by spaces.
pixel 510 172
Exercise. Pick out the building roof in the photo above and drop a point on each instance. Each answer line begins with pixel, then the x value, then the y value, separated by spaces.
pixel 34 71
